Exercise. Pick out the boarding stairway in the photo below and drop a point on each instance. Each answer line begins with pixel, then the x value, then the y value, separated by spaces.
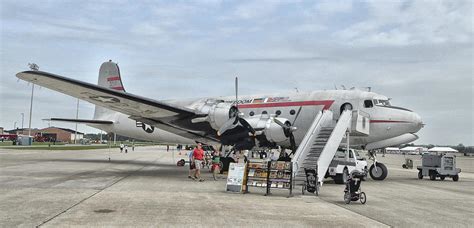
pixel 320 144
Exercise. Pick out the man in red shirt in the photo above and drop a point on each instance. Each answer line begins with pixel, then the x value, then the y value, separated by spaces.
pixel 198 156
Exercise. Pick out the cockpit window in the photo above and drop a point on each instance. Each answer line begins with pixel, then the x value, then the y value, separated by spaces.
pixel 382 102
pixel 368 104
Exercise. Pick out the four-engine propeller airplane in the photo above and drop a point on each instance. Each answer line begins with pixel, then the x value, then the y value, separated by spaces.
pixel 268 120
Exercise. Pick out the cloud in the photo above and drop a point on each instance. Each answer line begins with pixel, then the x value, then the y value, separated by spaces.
pixel 417 52
pixel 396 23
pixel 330 6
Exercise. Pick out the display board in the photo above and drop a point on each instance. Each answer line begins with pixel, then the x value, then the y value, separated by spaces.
pixel 235 177
pixel 269 175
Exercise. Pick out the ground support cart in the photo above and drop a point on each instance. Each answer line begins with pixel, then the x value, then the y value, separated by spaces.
pixel 442 166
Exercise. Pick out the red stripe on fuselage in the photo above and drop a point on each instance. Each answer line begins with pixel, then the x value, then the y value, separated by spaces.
pixel 113 78
pixel 327 104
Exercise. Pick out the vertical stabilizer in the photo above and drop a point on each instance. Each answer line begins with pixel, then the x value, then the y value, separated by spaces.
pixel 109 77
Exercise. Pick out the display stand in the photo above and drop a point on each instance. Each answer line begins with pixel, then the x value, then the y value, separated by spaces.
pixel 270 175
pixel 257 174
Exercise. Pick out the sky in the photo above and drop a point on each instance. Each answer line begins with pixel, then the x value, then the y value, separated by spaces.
pixel 419 53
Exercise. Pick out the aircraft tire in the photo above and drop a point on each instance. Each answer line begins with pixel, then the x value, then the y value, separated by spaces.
pixel 375 175
pixel 225 164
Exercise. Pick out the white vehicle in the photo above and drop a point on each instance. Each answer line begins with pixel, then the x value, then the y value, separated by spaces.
pixel 343 163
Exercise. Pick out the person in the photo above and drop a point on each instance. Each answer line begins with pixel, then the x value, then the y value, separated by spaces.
pixel 198 156
pixel 216 160
pixel 121 147
pixel 191 166
pixel 167 148
pixel 126 148
pixel 133 146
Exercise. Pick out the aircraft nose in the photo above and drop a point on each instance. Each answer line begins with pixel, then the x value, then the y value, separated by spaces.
pixel 418 122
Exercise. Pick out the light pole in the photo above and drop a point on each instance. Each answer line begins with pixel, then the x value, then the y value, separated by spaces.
pixel 14 125
pixel 33 67
pixel 22 119
pixel 77 116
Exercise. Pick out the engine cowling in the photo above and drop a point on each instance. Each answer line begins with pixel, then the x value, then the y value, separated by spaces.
pixel 218 113
pixel 265 125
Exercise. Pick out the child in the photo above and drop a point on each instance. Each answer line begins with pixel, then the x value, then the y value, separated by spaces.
pixel 216 160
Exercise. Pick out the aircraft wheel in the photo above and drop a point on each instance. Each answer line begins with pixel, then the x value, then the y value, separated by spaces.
pixel 432 175
pixel 379 174
pixel 442 178
pixel 225 163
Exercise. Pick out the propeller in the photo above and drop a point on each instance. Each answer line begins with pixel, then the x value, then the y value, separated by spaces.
pixel 234 112
pixel 288 130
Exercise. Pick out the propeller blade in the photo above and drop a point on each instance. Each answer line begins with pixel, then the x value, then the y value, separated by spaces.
pixel 292 143
pixel 237 92
pixel 297 114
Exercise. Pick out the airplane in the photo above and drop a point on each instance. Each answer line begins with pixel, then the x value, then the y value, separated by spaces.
pixel 246 122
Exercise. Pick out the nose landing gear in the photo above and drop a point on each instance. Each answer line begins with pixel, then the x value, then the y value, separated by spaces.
pixel 377 171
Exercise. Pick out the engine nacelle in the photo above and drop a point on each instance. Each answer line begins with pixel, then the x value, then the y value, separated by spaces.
pixel 265 125
pixel 218 113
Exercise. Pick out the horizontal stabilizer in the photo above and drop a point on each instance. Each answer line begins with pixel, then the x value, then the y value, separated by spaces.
pixel 81 121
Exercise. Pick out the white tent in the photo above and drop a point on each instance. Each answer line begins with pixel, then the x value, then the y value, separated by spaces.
pixel 443 149
pixel 413 150
pixel 392 150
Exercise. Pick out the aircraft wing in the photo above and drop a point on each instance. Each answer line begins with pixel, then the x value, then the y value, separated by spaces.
pixel 83 121
pixel 174 118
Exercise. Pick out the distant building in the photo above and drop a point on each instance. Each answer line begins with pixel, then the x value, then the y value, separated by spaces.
pixel 23 131
pixel 1 130
pixel 61 134
pixel 51 133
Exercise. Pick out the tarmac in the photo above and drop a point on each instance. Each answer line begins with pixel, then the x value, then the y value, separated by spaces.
pixel 145 188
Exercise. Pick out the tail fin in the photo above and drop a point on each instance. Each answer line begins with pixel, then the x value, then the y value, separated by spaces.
pixel 109 77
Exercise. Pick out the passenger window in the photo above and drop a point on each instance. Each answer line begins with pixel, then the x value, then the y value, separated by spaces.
pixel 368 104
pixel 264 112
pixel 292 112
pixel 278 112
pixel 251 113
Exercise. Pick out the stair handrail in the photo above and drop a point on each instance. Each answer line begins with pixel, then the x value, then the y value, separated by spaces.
pixel 334 140
pixel 303 148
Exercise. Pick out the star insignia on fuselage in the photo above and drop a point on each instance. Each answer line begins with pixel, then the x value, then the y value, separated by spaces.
pixel 148 128
pixel 105 99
